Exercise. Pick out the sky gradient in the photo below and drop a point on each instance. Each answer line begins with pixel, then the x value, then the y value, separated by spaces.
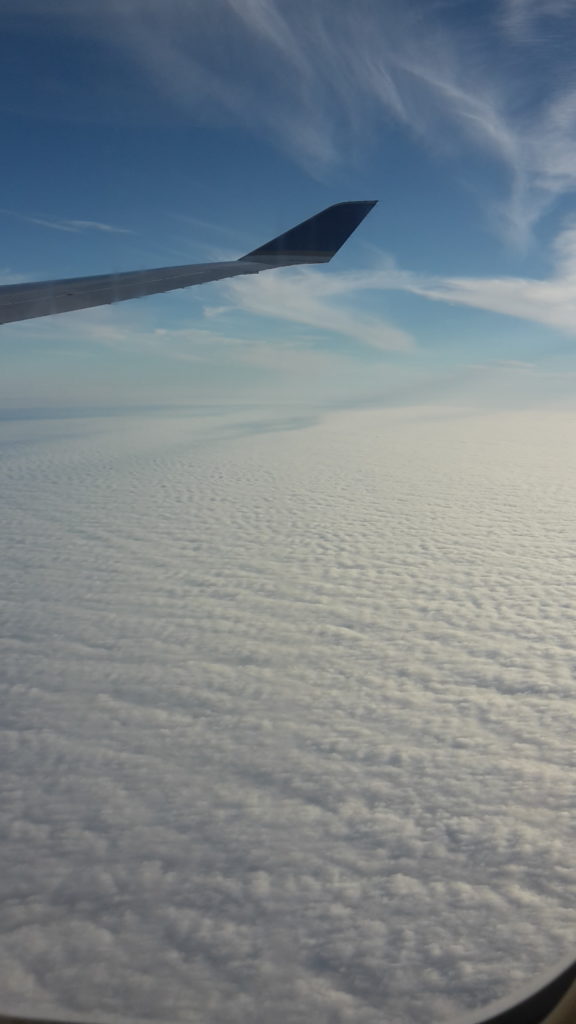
pixel 138 134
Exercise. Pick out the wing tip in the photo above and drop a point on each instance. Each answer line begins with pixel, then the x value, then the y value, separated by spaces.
pixel 352 202
pixel 315 240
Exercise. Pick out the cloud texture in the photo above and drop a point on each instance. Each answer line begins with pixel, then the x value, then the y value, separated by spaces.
pixel 322 79
pixel 288 714
pixel 307 296
pixel 550 301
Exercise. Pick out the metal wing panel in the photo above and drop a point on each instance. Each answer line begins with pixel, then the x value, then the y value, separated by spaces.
pixel 44 298
pixel 317 239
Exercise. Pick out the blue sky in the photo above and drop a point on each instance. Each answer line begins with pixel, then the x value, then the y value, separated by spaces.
pixel 139 134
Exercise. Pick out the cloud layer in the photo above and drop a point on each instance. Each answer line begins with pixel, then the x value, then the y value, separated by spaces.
pixel 287 714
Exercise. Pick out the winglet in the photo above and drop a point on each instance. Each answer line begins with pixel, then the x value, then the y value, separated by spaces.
pixel 314 240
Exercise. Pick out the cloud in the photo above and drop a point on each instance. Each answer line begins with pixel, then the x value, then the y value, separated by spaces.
pixel 94 225
pixel 118 355
pixel 524 17
pixel 550 301
pixel 324 79
pixel 305 296
pixel 296 300
pixel 287 715
pixel 333 352
pixel 8 277
pixel 73 226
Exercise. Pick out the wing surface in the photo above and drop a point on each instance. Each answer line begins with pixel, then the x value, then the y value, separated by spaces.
pixel 314 241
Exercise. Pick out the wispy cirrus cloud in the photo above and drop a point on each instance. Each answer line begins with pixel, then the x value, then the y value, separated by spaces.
pixel 113 354
pixel 307 297
pixel 311 297
pixel 8 277
pixel 95 225
pixel 523 17
pixel 323 79
pixel 72 225
pixel 550 301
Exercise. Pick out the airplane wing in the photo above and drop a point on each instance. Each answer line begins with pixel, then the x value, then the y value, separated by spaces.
pixel 313 241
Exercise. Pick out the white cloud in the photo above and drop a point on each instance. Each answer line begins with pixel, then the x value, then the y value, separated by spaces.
pixel 287 715
pixel 94 225
pixel 303 296
pixel 73 226
pixel 309 297
pixel 8 277
pixel 317 79
pixel 216 355
pixel 549 301
pixel 523 18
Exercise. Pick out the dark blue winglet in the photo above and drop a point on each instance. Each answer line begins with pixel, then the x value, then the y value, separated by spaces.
pixel 316 239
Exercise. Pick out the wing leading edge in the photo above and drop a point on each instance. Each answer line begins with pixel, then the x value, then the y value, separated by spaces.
pixel 316 240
